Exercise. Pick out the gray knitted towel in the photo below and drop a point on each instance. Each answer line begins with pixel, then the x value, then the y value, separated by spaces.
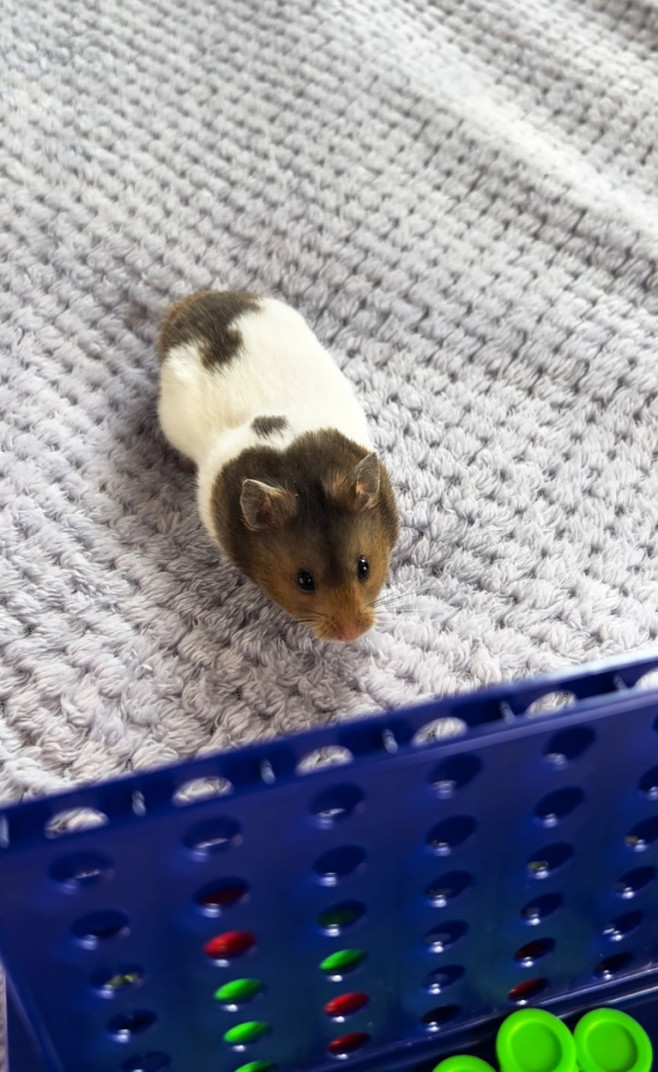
pixel 460 196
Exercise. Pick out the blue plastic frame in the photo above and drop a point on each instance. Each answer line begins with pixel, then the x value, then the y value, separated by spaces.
pixel 442 843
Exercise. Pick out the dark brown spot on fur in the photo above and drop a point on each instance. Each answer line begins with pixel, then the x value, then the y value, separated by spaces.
pixel 303 469
pixel 207 318
pixel 266 426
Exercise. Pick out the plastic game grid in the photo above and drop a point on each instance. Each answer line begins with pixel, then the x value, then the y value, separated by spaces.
pixel 460 878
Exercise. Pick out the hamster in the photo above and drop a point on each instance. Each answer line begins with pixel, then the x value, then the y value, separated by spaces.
pixel 289 487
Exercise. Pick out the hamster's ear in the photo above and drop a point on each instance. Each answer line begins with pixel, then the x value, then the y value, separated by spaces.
pixel 357 489
pixel 265 506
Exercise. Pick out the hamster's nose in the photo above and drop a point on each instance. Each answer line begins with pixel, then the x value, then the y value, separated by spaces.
pixel 349 631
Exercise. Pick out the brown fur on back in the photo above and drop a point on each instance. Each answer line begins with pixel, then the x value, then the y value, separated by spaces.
pixel 206 318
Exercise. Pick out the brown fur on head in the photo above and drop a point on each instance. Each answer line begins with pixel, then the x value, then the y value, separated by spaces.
pixel 320 508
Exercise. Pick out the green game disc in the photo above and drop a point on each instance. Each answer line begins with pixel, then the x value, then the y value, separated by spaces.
pixel 238 991
pixel 608 1040
pixel 250 1031
pixel 463 1063
pixel 533 1040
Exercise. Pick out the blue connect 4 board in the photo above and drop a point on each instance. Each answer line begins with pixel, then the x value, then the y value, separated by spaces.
pixel 382 911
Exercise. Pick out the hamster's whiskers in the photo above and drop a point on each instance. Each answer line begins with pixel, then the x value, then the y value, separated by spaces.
pixel 383 601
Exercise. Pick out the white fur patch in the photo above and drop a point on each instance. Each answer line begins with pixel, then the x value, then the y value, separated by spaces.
pixel 281 370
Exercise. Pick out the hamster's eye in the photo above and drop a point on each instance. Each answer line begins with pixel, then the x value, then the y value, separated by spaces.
pixel 305 581
pixel 362 567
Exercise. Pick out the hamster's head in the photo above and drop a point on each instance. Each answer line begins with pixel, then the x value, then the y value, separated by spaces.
pixel 314 526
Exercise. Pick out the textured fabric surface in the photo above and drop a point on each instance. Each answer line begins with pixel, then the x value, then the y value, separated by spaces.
pixel 460 196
